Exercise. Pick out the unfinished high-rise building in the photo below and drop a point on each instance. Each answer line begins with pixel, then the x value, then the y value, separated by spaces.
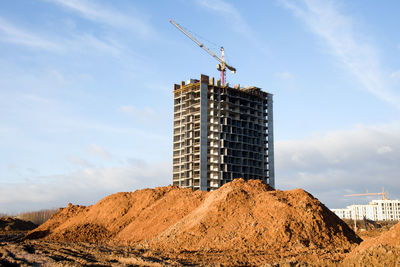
pixel 221 133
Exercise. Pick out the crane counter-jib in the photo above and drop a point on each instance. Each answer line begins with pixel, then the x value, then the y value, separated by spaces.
pixel 222 66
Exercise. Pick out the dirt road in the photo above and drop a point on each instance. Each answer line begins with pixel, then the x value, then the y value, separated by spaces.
pixel 43 253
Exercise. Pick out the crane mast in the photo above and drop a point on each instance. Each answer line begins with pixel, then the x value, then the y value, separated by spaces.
pixel 222 66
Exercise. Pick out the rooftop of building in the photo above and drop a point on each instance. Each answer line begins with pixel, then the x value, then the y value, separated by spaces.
pixel 372 202
pixel 217 83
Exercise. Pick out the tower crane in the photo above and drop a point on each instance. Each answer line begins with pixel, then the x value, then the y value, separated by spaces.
pixel 222 66
pixel 383 194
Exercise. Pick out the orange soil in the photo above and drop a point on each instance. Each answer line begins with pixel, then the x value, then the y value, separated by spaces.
pixel 240 223
pixel 383 250
pixel 391 237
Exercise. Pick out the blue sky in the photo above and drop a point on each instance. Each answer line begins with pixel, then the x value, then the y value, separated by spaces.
pixel 86 92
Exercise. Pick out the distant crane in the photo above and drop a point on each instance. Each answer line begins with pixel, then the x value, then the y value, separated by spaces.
pixel 383 194
pixel 222 66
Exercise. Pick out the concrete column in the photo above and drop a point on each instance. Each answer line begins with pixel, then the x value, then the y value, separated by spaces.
pixel 271 141
pixel 203 131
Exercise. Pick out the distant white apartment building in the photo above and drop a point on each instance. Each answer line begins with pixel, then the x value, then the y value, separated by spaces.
pixel 376 210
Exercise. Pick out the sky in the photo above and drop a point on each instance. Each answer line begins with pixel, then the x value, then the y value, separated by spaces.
pixel 86 100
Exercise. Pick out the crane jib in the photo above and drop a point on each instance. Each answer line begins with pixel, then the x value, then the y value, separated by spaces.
pixel 221 60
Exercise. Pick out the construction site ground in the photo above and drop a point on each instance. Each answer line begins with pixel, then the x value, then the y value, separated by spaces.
pixel 240 224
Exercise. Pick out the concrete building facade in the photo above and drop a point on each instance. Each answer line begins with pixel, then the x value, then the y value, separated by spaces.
pixel 221 133
pixel 376 210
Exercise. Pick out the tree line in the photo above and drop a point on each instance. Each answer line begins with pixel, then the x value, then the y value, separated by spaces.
pixel 37 217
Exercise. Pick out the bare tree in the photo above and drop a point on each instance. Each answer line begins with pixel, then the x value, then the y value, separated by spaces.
pixel 37 217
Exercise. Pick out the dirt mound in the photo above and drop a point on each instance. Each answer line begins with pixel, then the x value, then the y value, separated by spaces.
pixel 391 237
pixel 124 218
pixel 14 224
pixel 242 218
pixel 383 250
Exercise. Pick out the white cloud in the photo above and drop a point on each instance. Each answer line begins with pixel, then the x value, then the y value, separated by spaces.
pixel 83 187
pixel 106 15
pixel 346 43
pixel 60 121
pixel 12 166
pixel 384 149
pixel 33 98
pixel 224 8
pixel 284 75
pixel 395 75
pixel 57 76
pixel 353 160
pixel 234 18
pixel 13 34
pixel 146 113
pixel 97 150
pixel 89 42
pixel 158 86
pixel 79 162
